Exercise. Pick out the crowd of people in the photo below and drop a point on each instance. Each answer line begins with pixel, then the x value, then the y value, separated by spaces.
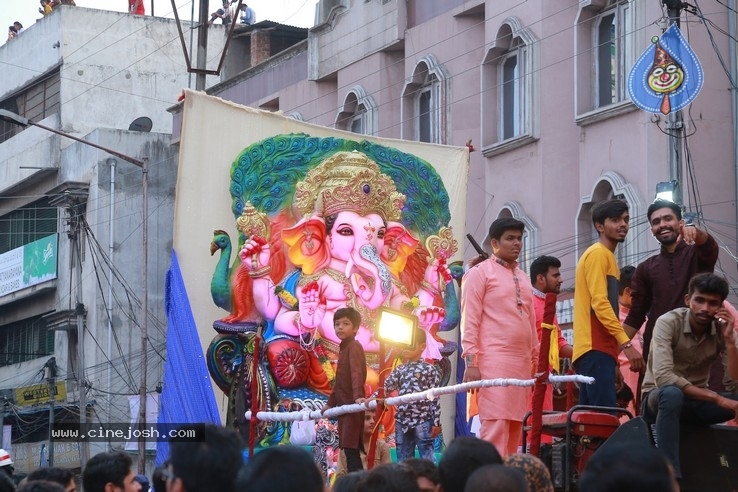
pixel 502 326
pixel 665 323
pixel 215 462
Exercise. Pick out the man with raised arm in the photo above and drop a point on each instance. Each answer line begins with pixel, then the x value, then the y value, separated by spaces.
pixel 660 282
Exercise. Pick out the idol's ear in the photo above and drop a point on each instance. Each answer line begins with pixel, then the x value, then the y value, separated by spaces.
pixel 399 244
pixel 307 246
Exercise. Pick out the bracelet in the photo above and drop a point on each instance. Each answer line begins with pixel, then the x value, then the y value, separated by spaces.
pixel 261 272
pixel 626 345
pixel 424 284
pixel 470 360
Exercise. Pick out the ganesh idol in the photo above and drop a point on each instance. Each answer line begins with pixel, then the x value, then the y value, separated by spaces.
pixel 351 250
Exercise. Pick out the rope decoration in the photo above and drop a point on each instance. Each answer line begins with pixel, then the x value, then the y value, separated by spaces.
pixel 412 397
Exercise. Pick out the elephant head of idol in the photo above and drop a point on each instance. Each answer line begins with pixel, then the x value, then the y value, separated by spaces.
pixel 346 203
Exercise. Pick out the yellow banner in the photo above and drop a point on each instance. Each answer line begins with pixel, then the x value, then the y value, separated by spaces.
pixel 39 393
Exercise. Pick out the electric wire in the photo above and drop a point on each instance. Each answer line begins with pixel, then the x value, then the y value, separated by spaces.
pixel 112 330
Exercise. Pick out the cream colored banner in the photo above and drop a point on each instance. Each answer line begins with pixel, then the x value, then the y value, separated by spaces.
pixel 214 133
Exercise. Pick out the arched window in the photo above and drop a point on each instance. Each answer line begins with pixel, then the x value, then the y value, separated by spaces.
pixel 358 114
pixel 603 33
pixel 509 90
pixel 424 106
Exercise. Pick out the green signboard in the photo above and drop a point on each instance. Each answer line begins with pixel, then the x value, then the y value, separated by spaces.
pixel 29 265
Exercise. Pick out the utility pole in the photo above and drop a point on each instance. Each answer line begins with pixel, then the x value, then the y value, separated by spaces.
pixel 79 311
pixel 145 320
pixel 675 122
pixel 75 222
pixel 50 373
pixel 2 418
pixel 73 197
pixel 733 57
pixel 202 45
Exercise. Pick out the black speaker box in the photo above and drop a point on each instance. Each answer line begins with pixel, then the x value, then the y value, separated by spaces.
pixel 709 458
pixel 708 455
pixel 634 432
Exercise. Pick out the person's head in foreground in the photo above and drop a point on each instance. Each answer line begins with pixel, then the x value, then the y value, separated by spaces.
pixel 535 471
pixel 496 478
pixel 208 462
pixel 280 468
pixel 464 455
pixel 628 467
pixel 389 477
pixel 109 472
pixel 426 472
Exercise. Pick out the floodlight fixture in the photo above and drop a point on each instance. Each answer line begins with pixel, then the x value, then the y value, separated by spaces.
pixel 666 190
pixel 396 328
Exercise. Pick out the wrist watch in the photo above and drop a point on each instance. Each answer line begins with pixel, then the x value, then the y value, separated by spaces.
pixel 470 360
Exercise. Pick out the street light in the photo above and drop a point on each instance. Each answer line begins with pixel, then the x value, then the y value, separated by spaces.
pixel 14 118
pixel 11 117
pixel 666 190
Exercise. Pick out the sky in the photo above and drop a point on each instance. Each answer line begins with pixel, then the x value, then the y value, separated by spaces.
pixel 299 13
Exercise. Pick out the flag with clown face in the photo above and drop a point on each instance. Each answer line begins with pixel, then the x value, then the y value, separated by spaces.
pixel 667 76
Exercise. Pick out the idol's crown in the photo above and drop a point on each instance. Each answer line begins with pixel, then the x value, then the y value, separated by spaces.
pixel 349 181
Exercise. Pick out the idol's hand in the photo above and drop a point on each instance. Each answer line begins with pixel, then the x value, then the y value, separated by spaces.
pixel 255 253
pixel 312 306
pixel 430 315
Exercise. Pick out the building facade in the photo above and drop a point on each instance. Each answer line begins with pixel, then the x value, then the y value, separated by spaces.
pixel 107 78
pixel 539 89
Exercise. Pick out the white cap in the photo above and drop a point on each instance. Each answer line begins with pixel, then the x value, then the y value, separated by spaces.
pixel 5 458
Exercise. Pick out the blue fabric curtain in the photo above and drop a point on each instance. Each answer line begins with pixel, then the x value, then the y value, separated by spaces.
pixel 461 425
pixel 187 396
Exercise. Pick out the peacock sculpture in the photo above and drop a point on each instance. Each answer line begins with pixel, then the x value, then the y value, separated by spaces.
pixel 220 284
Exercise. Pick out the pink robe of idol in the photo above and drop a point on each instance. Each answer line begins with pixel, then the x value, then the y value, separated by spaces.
pixel 498 324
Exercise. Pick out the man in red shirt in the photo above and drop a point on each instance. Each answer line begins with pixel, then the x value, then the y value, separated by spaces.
pixel 545 275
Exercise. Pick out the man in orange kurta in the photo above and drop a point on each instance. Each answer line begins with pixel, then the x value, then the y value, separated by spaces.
pixel 498 335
